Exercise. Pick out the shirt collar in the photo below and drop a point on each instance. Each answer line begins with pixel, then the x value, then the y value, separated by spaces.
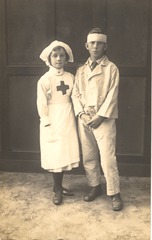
pixel 102 61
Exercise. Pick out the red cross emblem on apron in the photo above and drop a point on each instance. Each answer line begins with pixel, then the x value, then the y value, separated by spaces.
pixel 63 87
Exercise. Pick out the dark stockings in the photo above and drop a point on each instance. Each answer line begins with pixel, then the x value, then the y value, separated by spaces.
pixel 57 177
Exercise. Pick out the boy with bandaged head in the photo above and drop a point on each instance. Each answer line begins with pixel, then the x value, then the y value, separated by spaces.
pixel 95 99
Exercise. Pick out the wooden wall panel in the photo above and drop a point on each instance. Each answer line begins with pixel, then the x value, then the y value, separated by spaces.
pixel 74 19
pixel 1 72
pixel 0 139
pixel 27 25
pixel 127 28
pixel 131 122
pixel 23 117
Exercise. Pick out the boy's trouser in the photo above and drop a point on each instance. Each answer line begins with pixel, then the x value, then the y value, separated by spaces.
pixel 98 150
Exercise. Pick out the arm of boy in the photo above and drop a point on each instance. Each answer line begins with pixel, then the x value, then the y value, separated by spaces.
pixel 109 108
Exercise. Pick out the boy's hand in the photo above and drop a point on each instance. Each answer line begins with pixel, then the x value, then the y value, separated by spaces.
pixel 85 118
pixel 95 122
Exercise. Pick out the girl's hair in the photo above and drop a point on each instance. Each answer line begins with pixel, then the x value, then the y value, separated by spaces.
pixel 57 48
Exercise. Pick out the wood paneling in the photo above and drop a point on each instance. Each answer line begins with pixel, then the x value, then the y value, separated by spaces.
pixel 127 28
pixel 28 23
pixel 130 125
pixel 26 27
pixel 74 19
pixel 23 119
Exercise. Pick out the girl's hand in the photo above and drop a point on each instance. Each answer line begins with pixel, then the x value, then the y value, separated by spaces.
pixel 95 122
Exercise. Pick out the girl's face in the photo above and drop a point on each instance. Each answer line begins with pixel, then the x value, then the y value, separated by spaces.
pixel 96 49
pixel 58 58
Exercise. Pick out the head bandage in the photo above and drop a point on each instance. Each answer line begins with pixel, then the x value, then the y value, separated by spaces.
pixel 96 37
pixel 46 52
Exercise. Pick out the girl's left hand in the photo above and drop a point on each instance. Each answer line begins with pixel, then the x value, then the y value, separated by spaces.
pixel 95 122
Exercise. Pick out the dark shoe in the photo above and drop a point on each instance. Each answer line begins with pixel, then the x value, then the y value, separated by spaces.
pixel 117 204
pixel 57 199
pixel 67 192
pixel 93 194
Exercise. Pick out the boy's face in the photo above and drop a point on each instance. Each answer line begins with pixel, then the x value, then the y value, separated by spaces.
pixel 96 49
pixel 58 58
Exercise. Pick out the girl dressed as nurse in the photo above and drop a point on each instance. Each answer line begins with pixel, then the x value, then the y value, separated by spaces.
pixel 58 135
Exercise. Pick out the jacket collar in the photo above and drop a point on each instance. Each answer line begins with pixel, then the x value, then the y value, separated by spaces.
pixel 98 70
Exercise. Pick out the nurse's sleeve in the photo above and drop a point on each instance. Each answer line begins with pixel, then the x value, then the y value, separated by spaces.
pixel 109 108
pixel 42 102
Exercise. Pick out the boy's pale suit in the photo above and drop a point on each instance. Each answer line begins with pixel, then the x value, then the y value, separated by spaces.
pixel 96 93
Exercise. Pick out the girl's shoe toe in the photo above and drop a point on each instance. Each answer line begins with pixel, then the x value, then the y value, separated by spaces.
pixel 57 199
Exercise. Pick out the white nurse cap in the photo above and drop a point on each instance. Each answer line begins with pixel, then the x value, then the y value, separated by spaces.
pixel 46 52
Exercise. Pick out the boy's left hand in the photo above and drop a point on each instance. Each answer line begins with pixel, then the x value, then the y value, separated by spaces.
pixel 95 121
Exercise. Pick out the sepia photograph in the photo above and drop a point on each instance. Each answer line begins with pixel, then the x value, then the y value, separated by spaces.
pixel 75 119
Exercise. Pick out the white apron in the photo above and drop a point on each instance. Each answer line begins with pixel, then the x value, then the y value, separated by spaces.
pixel 59 141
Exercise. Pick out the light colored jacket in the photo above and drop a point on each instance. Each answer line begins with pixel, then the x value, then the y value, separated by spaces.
pixel 97 89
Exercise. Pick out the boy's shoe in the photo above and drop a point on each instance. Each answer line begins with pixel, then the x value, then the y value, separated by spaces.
pixel 57 199
pixel 117 204
pixel 93 194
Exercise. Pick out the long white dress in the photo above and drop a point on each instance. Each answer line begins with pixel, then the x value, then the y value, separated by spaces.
pixel 59 141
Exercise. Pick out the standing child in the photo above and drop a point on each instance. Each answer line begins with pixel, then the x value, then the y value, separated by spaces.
pixel 95 98
pixel 58 134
